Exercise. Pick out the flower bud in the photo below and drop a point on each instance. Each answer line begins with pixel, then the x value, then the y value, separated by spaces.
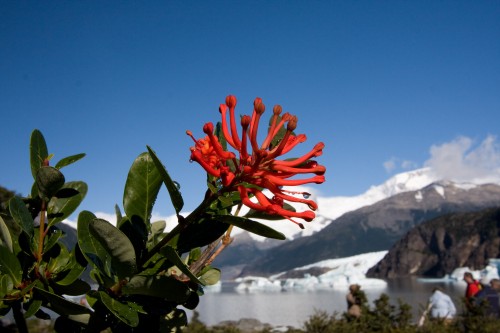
pixel 292 123
pixel 231 101
pixel 208 128
pixel 245 121
pixel 277 109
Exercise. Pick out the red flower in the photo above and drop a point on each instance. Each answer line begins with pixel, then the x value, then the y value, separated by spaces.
pixel 252 173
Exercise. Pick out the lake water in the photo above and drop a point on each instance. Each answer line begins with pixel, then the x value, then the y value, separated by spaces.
pixel 294 308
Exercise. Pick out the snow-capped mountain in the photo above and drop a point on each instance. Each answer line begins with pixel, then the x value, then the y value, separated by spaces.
pixel 331 208
pixel 377 226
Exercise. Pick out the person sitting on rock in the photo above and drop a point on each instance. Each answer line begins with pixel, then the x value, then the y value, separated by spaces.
pixel 486 300
pixel 355 298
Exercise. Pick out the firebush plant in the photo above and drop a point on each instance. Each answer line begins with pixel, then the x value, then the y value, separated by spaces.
pixel 145 275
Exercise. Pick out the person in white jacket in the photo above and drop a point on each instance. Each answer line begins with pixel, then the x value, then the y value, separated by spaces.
pixel 441 306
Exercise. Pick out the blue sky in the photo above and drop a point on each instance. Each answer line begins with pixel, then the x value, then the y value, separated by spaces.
pixel 388 86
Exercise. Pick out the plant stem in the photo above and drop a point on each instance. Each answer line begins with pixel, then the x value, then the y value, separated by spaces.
pixel 22 327
pixel 41 231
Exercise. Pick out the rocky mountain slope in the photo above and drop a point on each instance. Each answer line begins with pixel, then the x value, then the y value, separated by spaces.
pixel 368 229
pixel 436 247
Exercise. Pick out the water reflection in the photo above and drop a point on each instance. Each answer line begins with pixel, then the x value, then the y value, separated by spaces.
pixel 294 308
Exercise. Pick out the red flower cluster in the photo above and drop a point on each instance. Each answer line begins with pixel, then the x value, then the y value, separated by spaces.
pixel 252 173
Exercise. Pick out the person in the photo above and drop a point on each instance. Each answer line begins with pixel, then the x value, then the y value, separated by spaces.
pixel 486 300
pixel 495 284
pixel 354 301
pixel 473 287
pixel 441 306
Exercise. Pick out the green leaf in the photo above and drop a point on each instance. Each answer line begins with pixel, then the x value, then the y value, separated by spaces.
pixel 121 311
pixel 51 239
pixel 93 251
pixel 117 244
pixel 210 277
pixel 38 151
pixel 60 304
pixel 10 265
pixel 157 229
pixel 135 230
pixel 251 226
pixel 62 208
pixel 174 258
pixel 141 188
pixel 200 234
pixel 77 287
pixel 76 267
pixel 69 160
pixel 162 286
pixel 6 285
pixel 48 181
pixel 59 259
pixel 21 215
pixel 33 307
pixel 118 214
pixel 5 237
pixel 173 190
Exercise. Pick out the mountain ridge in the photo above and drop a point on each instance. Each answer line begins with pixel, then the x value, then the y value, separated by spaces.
pixel 376 227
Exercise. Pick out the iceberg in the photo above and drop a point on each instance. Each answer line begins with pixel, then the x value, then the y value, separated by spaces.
pixel 339 274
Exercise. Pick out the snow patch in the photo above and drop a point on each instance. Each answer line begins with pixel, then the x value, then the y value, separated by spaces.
pixel 440 190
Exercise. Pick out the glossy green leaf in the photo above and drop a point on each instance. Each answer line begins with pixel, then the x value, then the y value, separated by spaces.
pixel 48 181
pixel 33 307
pixel 210 277
pixel 156 234
pixel 59 259
pixel 118 213
pixel 69 160
pixel 5 237
pixel 137 307
pixel 6 285
pixel 51 239
pixel 77 287
pixel 251 226
pixel 93 251
pixel 135 230
pixel 162 286
pixel 76 267
pixel 121 311
pixel 141 188
pixel 200 234
pixel 62 208
pixel 194 255
pixel 21 215
pixel 10 265
pixel 173 190
pixel 38 151
pixel 117 244
pixel 174 258
pixel 60 304
pixel 102 279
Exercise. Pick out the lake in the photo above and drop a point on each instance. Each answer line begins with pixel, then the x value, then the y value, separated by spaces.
pixel 293 308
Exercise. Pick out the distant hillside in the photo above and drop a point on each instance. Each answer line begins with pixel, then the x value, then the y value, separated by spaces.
pixel 373 228
pixel 435 248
